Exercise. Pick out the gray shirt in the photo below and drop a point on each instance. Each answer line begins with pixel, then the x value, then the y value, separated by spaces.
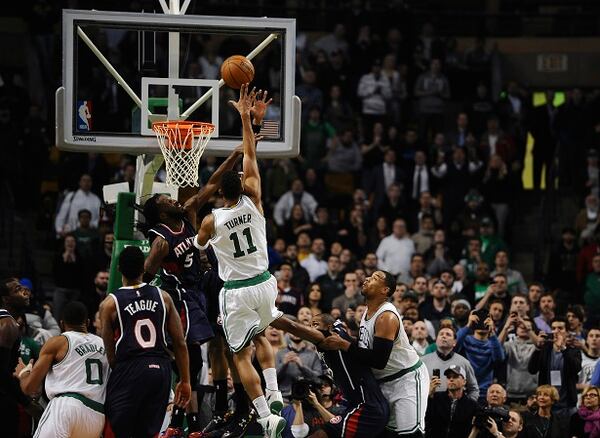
pixel 433 361
pixel 288 373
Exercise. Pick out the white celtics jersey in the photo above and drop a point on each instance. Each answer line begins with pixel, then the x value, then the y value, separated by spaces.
pixel 403 354
pixel 83 370
pixel 240 241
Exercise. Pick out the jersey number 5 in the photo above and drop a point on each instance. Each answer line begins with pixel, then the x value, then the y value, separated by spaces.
pixel 236 243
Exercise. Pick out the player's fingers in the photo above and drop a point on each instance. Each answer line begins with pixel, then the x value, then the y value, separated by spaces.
pixel 269 101
pixel 264 96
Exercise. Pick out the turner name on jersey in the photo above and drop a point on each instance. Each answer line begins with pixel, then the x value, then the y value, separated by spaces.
pixel 237 221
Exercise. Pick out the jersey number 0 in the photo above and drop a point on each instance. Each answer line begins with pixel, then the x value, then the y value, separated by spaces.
pixel 236 243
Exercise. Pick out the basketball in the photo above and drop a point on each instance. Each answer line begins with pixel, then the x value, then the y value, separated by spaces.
pixel 237 70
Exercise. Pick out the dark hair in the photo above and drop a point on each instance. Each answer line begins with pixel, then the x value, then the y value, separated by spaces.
pixel 84 211
pixel 231 185
pixel 562 319
pixel 4 289
pixel 499 274
pixel 131 262
pixel 151 213
pixel 577 310
pixel 547 293
pixel 390 283
pixel 326 318
pixel 520 295
pixel 75 313
pixel 497 301
pixel 415 255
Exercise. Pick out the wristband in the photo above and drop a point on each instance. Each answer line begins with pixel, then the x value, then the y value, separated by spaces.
pixel 256 128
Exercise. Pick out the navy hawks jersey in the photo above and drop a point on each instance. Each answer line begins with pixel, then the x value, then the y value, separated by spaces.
pixel 355 379
pixel 180 271
pixel 142 319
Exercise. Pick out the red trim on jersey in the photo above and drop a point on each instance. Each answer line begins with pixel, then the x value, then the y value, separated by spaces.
pixel 352 423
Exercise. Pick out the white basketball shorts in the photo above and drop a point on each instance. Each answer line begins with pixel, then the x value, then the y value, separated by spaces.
pixel 67 417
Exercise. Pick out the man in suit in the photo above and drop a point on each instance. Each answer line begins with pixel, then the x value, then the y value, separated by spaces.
pixel 542 128
pixel 382 177
pixel 458 136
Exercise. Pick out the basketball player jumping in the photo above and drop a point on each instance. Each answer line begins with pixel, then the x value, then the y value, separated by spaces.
pixel 171 227
pixel 141 316
pixel 384 346
pixel 247 301
pixel 75 367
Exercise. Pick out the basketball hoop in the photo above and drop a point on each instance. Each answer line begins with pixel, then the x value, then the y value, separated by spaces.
pixel 182 144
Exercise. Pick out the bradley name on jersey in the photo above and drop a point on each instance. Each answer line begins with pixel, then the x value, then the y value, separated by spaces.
pixel 138 306
pixel 239 220
pixel 84 349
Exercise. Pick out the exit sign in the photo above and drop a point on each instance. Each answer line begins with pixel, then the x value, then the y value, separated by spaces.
pixel 552 63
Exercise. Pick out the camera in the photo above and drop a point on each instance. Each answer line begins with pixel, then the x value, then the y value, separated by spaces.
pixel 301 387
pixel 549 338
pixel 498 414
pixel 482 314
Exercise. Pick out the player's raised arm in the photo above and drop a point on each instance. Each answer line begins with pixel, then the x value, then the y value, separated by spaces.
pixel 183 389
pixel 251 180
pixel 158 251
pixel 207 229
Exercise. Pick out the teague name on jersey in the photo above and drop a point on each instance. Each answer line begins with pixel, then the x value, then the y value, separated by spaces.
pixel 137 306
pixel 240 220
pixel 180 249
pixel 89 348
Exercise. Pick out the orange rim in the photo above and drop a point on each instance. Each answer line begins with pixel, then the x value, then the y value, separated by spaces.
pixel 182 139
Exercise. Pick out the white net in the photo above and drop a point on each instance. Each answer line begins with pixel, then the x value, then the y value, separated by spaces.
pixel 182 144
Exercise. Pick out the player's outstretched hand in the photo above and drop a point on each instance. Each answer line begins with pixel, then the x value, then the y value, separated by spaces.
pixel 183 392
pixel 333 342
pixel 246 100
pixel 260 106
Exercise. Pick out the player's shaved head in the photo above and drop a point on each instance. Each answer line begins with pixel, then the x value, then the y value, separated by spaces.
pixel 390 283
pixel 131 263
pixel 75 314
pixel 231 185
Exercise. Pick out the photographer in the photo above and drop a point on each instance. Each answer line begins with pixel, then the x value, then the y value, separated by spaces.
pixel 306 413
pixel 294 361
pixel 510 428
pixel 557 363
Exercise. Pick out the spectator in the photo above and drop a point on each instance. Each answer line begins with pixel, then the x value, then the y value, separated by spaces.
pixel 585 423
pixel 491 243
pixel 444 357
pixel 315 134
pixel 591 295
pixel 308 91
pixel 590 357
pixel 322 227
pixel 519 349
pixel 314 299
pixel 331 282
pixel 480 109
pixel 547 308
pixel 497 291
pixel 575 319
pixel 432 89
pixel 393 205
pixel 334 41
pixel 494 141
pixel 419 337
pixel 496 396
pixel 300 277
pixel 543 130
pixel 419 178
pixel 275 338
pixel 38 315
pixel 351 296
pixel 93 297
pixel 514 279
pixel 377 182
pixel 295 224
pixel 296 195
pixel 394 251
pixel 545 423
pixel 314 263
pixel 420 288
pixel 498 191
pixel 104 256
pixel 479 344
pixel 68 270
pixel 557 363
pixel 83 199
pixel 534 293
pixel 460 309
pixel 437 306
pixel 519 304
pixel 289 300
pixel 87 237
pixel 423 239
pixel 374 89
pixel 449 413
pixel 294 361
pixel 344 154
pixel 562 266
pixel 417 269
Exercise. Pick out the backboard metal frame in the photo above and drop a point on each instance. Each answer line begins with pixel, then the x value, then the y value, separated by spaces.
pixel 133 144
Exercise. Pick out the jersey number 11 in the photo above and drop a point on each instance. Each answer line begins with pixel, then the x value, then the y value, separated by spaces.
pixel 236 243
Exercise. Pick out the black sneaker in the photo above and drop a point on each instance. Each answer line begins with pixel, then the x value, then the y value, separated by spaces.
pixel 218 422
pixel 238 427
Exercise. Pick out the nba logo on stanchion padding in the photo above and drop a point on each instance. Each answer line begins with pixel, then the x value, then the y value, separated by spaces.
pixel 84 115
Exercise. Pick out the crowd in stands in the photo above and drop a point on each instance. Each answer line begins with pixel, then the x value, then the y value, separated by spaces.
pixel 409 164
